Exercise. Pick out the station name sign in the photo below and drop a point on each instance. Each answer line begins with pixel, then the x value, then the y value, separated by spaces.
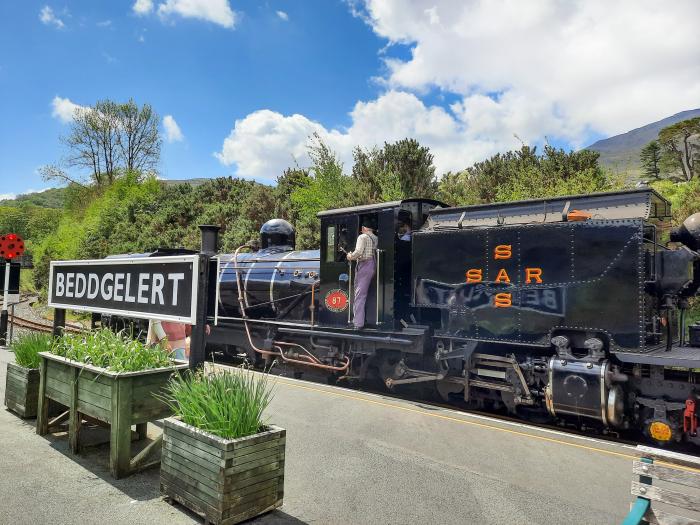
pixel 162 288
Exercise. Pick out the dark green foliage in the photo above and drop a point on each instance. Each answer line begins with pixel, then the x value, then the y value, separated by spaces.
pixel 650 157
pixel 523 174
pixel 400 170
pixel 413 164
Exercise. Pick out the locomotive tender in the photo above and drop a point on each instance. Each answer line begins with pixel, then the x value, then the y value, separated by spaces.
pixel 570 307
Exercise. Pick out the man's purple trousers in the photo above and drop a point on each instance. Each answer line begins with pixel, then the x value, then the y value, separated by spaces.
pixel 363 279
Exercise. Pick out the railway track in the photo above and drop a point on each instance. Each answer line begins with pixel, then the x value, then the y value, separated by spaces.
pixel 41 327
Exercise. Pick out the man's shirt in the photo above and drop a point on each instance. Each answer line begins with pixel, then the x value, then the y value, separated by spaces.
pixel 364 248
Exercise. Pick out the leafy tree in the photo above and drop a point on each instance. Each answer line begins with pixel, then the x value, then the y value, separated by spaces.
pixel 680 143
pixel 397 171
pixel 291 180
pixel 327 189
pixel 109 139
pixel 367 171
pixel 650 158
pixel 138 140
pixel 413 164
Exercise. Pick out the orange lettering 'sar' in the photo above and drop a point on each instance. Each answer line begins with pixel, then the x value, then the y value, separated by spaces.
pixel 474 275
pixel 533 273
pixel 502 276
pixel 503 251
pixel 503 300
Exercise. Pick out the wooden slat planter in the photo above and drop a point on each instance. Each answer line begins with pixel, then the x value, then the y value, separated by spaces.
pixel 118 399
pixel 225 480
pixel 22 390
pixel 678 492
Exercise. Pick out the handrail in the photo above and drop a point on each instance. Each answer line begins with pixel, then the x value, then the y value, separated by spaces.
pixel 350 291
pixel 379 253
pixel 218 291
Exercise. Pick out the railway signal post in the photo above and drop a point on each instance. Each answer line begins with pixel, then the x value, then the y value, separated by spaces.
pixel 11 247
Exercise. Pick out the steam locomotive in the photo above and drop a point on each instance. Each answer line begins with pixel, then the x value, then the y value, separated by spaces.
pixel 569 308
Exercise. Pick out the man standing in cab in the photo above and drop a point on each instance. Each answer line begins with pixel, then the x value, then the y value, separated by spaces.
pixel 366 267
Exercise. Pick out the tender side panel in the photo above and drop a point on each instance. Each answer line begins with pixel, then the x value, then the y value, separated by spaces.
pixel 527 281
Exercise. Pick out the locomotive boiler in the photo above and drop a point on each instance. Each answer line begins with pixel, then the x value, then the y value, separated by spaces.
pixel 275 281
pixel 571 308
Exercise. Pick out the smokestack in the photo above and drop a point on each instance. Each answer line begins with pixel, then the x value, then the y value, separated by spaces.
pixel 210 238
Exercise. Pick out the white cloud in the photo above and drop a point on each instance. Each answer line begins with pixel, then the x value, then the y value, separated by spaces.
pixel 284 16
pixel 7 196
pixel 64 109
pixel 104 23
pixel 142 7
pixel 265 142
pixel 563 70
pixel 48 17
pixel 558 68
pixel 172 130
pixel 216 11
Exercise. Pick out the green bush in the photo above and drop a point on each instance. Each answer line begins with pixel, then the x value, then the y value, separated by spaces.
pixel 27 349
pixel 116 352
pixel 229 405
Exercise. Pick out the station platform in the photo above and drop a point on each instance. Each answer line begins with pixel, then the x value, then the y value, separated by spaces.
pixel 351 458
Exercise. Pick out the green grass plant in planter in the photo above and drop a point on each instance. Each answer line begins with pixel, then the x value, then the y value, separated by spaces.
pixel 112 378
pixel 220 457
pixel 229 404
pixel 116 352
pixel 22 379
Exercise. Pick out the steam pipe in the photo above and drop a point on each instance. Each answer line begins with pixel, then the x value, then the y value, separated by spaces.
pixel 309 360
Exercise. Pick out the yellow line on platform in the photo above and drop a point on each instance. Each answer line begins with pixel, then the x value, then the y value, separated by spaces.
pixel 477 424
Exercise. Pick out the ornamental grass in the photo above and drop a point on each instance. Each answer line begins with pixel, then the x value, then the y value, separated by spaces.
pixel 116 352
pixel 228 404
pixel 27 349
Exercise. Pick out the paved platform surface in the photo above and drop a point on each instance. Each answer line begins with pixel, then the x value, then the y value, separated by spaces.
pixel 352 458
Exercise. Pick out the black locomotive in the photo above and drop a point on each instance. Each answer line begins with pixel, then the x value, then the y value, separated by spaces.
pixel 570 307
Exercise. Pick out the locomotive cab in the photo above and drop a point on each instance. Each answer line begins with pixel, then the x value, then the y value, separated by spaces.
pixel 387 301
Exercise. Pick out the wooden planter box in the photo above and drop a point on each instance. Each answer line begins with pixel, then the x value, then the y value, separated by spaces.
pixel 225 480
pixel 22 390
pixel 117 399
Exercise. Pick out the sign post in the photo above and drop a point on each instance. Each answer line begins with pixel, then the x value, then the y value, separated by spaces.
pixel 209 242
pixel 11 247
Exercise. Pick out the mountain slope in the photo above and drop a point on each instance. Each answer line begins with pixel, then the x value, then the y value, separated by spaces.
pixel 50 198
pixel 621 152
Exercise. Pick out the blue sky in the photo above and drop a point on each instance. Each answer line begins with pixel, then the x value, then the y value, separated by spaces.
pixel 247 82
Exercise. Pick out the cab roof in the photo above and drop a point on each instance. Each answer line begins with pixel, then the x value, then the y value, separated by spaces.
pixel 376 207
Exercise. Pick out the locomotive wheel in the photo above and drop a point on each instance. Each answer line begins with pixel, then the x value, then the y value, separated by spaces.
pixel 446 388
